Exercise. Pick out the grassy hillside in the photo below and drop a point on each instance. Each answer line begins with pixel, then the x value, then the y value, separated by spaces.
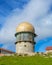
pixel 27 60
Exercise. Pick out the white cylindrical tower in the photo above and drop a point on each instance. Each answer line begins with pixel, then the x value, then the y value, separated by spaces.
pixel 25 34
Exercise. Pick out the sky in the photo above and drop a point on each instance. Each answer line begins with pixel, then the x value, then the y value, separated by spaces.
pixel 36 12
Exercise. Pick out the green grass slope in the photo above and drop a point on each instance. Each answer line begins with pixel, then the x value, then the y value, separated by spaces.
pixel 27 60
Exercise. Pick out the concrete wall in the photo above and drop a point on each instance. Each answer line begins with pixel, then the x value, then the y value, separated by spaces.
pixel 24 47
pixel 48 51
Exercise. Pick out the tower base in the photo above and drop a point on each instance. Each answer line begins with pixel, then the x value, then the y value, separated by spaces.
pixel 26 54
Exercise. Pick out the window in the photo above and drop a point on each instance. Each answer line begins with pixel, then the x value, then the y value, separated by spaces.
pixel 18 37
pixel 25 37
pixel 24 45
pixel 30 37
pixel 22 36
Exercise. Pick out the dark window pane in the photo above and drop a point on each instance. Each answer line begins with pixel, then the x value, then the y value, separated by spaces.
pixel 25 45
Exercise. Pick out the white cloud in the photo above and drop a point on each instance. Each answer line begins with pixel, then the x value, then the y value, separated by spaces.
pixel 44 27
pixel 35 9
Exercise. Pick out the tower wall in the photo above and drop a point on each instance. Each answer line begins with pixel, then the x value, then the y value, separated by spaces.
pixel 24 47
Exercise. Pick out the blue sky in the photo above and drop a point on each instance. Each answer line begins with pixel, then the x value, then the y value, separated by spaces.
pixel 37 12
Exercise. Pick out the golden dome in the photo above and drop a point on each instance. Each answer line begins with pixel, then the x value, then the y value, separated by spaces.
pixel 25 26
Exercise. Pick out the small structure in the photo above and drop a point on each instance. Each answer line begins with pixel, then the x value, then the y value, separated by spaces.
pixel 25 34
pixel 4 52
pixel 49 49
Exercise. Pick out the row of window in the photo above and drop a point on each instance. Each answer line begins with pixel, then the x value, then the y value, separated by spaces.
pixel 25 37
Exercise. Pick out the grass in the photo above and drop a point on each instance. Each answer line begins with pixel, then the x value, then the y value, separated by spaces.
pixel 27 60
